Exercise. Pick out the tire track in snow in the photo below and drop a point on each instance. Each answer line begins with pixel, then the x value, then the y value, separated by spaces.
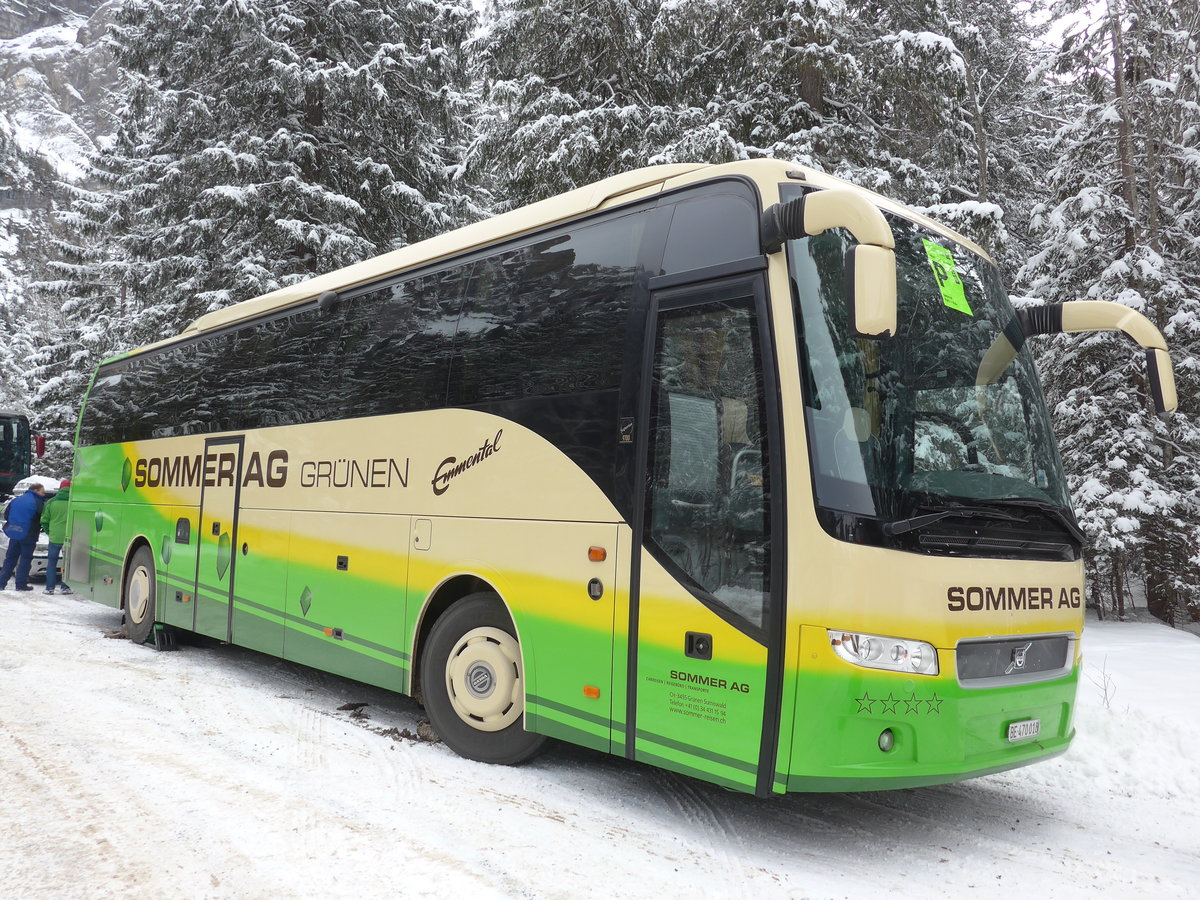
pixel 710 825
pixel 309 757
pixel 64 796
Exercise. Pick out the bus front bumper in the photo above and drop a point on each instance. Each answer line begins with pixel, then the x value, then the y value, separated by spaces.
pixel 862 729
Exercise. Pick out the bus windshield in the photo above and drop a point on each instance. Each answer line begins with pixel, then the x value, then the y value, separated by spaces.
pixel 899 427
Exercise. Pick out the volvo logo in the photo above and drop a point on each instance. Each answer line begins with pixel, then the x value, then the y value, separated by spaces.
pixel 1018 659
pixel 481 680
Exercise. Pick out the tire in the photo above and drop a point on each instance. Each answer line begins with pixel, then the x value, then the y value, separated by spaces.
pixel 139 596
pixel 474 686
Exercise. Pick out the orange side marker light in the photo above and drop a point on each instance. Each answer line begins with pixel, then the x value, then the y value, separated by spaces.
pixel 597 554
pixel 590 692
pixel 328 632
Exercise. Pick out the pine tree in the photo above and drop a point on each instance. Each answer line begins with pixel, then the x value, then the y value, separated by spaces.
pixel 944 110
pixel 20 319
pixel 760 78
pixel 1121 226
pixel 258 144
pixel 569 99
pixel 10 295
pixel 265 142
pixel 862 89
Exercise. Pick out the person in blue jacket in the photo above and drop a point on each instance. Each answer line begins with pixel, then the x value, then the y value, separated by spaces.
pixel 22 526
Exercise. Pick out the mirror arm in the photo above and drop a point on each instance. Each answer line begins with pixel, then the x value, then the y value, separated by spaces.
pixel 817 211
pixel 1041 319
pixel 1082 316
pixel 870 265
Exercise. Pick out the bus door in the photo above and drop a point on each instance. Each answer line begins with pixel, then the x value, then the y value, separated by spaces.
pixel 705 666
pixel 216 557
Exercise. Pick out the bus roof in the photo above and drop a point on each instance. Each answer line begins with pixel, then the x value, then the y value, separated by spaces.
pixel 614 190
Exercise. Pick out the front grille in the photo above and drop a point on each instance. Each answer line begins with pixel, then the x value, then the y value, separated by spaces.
pixel 1013 659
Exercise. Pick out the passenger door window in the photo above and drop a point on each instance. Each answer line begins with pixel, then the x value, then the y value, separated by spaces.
pixel 708 495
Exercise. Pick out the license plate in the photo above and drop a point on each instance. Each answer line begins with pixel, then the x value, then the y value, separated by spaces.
pixel 1023 731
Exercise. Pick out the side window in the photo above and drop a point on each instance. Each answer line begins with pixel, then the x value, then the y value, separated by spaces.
pixel 549 318
pixel 398 344
pixel 276 380
pixel 283 371
pixel 711 230
pixel 119 408
pixel 97 425
pixel 174 392
pixel 708 497
pixel 221 388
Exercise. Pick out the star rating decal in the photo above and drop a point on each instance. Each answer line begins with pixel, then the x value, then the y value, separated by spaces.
pixel 890 706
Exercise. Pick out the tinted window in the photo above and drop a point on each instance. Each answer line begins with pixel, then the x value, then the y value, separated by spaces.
pixel 113 406
pixel 548 318
pixel 280 372
pixel 385 352
pixel 711 230
pixel 398 342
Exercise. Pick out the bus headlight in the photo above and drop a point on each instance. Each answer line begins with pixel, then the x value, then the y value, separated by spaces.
pixel 891 654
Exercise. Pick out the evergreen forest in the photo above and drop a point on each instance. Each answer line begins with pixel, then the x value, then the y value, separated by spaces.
pixel 164 158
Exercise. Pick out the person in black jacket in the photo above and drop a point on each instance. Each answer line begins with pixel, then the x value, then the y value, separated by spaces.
pixel 22 526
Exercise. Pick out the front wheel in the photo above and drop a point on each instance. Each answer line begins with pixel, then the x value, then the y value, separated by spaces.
pixel 474 686
pixel 139 596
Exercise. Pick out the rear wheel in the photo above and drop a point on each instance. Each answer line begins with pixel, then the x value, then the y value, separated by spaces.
pixel 139 596
pixel 473 683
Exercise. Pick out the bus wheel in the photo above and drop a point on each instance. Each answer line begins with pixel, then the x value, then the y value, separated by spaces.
pixel 139 596
pixel 474 686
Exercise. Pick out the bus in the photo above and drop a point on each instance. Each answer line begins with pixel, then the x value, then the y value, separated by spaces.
pixel 737 470
pixel 15 447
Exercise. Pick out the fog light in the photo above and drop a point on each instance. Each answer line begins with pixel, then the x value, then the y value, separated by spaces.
pixel 887 740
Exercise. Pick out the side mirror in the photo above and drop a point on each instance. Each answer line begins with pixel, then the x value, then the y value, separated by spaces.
pixel 1161 378
pixel 1087 315
pixel 39 445
pixel 870 265
pixel 871 290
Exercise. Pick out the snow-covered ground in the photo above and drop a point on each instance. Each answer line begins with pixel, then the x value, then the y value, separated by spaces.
pixel 217 772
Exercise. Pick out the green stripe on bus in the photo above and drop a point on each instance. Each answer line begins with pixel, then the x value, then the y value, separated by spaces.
pixel 564 732
pixel 292 620
pixel 697 752
pixel 210 594
pixel 602 721
pixel 350 663
pixel 703 774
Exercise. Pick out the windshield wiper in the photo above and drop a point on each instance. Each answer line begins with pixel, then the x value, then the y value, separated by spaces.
pixel 1055 512
pixel 901 526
